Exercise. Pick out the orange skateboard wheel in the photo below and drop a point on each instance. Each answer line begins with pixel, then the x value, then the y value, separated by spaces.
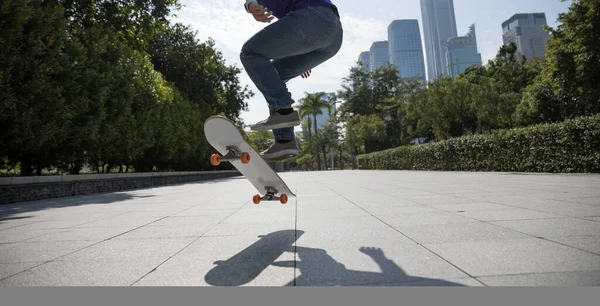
pixel 283 199
pixel 256 199
pixel 245 157
pixel 215 159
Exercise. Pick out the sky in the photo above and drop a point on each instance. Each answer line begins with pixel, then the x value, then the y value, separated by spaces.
pixel 364 22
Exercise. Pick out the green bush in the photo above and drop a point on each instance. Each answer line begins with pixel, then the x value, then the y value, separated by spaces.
pixel 569 146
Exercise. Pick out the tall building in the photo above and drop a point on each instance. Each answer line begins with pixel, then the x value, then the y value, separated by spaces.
pixel 379 55
pixel 406 49
pixel 462 53
pixel 439 25
pixel 365 59
pixel 527 32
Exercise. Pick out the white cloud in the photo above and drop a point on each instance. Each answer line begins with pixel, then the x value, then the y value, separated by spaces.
pixel 230 26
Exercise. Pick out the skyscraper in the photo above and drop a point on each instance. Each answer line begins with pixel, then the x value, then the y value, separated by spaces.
pixel 439 25
pixel 406 49
pixel 379 55
pixel 365 59
pixel 527 32
pixel 462 53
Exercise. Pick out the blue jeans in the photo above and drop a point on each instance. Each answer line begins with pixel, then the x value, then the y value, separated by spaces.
pixel 285 49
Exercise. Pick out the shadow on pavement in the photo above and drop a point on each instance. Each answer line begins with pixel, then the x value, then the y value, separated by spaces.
pixel 8 211
pixel 317 268
pixel 250 262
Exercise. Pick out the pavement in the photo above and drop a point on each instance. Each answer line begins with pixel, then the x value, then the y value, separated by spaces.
pixel 345 228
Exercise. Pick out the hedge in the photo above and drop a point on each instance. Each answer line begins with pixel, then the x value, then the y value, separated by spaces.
pixel 572 146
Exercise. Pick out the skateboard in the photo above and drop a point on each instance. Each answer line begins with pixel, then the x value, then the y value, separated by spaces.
pixel 225 137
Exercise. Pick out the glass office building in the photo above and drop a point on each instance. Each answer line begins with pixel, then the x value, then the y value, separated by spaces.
pixel 406 49
pixel 365 59
pixel 379 55
pixel 528 33
pixel 462 53
pixel 439 25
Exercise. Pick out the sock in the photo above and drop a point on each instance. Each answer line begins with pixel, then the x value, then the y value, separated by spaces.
pixel 283 140
pixel 285 111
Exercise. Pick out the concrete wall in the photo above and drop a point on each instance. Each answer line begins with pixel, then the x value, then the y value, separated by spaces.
pixel 20 189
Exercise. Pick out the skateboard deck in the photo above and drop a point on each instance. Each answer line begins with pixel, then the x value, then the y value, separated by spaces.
pixel 225 137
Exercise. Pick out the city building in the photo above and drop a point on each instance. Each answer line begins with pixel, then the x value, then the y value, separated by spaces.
pixel 365 59
pixel 528 33
pixel 379 55
pixel 462 53
pixel 406 48
pixel 439 25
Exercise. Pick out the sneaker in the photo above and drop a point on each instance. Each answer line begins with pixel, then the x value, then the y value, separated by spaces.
pixel 277 121
pixel 279 151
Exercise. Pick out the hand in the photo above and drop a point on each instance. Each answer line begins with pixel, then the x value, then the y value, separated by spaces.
pixel 260 13
pixel 306 74
pixel 371 251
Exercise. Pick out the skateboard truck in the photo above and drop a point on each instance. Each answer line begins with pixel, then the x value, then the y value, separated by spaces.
pixel 233 153
pixel 270 196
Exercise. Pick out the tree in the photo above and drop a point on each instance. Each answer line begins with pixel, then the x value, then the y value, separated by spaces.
pixel 313 104
pixel 107 84
pixel 356 93
pixel 198 70
pixel 329 136
pixel 398 108
pixel 568 85
pixel 260 140
pixel 33 112
pixel 499 87
pixel 363 131
pixel 135 21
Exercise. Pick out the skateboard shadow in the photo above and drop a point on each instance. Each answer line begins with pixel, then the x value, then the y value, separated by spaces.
pixel 317 268
pixel 250 262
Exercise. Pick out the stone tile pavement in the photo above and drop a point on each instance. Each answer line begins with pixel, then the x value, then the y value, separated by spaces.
pixel 345 228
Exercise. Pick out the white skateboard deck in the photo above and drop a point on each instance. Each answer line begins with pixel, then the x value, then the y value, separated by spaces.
pixel 221 133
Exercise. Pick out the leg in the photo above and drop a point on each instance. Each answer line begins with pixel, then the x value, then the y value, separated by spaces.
pixel 291 67
pixel 317 36
pixel 281 39
pixel 299 33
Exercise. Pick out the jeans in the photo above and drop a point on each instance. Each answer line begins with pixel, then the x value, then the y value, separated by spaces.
pixel 287 48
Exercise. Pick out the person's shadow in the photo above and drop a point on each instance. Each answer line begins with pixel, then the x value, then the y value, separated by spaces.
pixel 317 268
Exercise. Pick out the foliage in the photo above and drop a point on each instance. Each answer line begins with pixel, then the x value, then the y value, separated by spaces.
pixel 108 85
pixel 568 85
pixel 312 104
pixel 260 140
pixel 361 130
pixel 570 146
pixel 507 92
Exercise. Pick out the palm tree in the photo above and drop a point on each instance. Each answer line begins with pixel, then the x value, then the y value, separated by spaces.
pixel 313 104
pixel 308 124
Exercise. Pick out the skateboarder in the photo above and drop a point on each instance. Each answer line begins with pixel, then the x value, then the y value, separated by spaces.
pixel 306 34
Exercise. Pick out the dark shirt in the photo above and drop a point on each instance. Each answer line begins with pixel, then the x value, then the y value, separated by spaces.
pixel 281 8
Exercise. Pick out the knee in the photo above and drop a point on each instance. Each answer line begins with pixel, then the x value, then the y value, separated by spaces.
pixel 252 50
pixel 246 52
pixel 243 55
